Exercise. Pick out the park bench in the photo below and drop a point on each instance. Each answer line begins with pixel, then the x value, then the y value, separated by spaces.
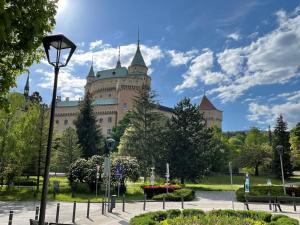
pixel 271 200
pixel 291 200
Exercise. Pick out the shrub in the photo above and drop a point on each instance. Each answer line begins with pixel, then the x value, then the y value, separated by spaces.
pixel 192 212
pixel 283 220
pixel 150 191
pixel 243 214
pixel 187 194
pixel 258 191
pixel 172 213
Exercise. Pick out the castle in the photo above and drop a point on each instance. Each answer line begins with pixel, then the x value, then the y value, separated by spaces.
pixel 113 91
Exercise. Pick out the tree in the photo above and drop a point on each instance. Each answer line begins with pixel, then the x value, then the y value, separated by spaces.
pixel 23 24
pixel 142 139
pixel 119 129
pixel 295 146
pixel 256 150
pixel 87 129
pixel 281 137
pixel 189 142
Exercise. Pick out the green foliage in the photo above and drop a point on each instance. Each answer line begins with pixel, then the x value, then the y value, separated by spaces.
pixel 220 217
pixel 295 146
pixel 23 24
pixel 66 151
pixel 189 143
pixel 87 129
pixel 119 129
pixel 20 138
pixel 281 137
pixel 187 194
pixel 143 138
pixel 259 191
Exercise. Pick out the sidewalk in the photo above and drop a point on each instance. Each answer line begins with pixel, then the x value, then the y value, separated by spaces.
pixel 23 211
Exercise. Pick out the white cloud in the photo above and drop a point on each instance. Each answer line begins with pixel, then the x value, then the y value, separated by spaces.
pixel 69 85
pixel 235 36
pixel 181 58
pixel 98 44
pixel 271 59
pixel 197 70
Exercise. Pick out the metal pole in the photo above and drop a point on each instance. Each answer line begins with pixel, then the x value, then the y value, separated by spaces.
pixel 10 219
pixel 88 210
pixel 164 202
pixel 57 213
pixel 74 212
pixel 119 188
pixel 36 217
pixel 96 185
pixel 108 192
pixel 123 206
pixel 145 199
pixel 282 174
pixel 182 205
pixel 48 153
pixel 40 150
pixel 231 182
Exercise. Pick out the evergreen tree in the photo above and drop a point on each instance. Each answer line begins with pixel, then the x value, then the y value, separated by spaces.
pixel 142 138
pixel 119 129
pixel 295 146
pixel 189 142
pixel 281 137
pixel 88 132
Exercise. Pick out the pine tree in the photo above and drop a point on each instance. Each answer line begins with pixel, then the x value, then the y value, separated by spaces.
pixel 189 142
pixel 142 138
pixel 88 132
pixel 281 137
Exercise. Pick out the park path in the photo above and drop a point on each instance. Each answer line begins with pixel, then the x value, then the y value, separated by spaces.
pixel 206 200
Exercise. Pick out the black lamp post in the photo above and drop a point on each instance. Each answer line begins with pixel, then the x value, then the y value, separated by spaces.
pixel 279 149
pixel 56 46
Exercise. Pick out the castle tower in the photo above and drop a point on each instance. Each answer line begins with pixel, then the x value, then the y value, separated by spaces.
pixel 26 89
pixel 211 114
pixel 90 78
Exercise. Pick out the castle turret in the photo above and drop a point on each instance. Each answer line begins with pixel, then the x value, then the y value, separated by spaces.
pixel 138 65
pixel 119 61
pixel 26 89
pixel 211 114
pixel 91 75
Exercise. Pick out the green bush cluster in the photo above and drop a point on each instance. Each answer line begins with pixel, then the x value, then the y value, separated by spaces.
pixel 187 194
pixel 220 217
pixel 259 191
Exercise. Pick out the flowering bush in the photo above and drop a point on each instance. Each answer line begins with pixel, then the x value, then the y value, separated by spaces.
pixel 150 191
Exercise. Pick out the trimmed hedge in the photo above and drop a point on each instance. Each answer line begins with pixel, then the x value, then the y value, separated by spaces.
pixel 220 217
pixel 259 191
pixel 150 191
pixel 187 194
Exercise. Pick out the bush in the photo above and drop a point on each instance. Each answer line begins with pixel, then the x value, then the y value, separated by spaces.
pixel 150 191
pixel 187 194
pixel 192 212
pixel 220 217
pixel 258 191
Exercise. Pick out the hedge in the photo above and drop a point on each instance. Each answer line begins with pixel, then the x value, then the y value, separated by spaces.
pixel 220 217
pixel 264 190
pixel 187 194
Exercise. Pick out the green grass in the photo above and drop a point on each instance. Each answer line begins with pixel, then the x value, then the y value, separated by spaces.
pixel 222 182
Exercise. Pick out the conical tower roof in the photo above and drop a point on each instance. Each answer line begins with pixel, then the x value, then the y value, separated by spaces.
pixel 91 72
pixel 205 104
pixel 119 61
pixel 26 89
pixel 138 59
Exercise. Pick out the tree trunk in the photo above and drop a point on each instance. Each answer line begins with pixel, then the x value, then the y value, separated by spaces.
pixel 256 170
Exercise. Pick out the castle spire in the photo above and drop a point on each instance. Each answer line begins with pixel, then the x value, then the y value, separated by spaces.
pixel 119 61
pixel 91 72
pixel 138 59
pixel 26 89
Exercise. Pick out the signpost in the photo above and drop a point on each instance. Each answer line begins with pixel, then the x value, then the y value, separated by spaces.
pixel 97 177
pixel 119 175
pixel 152 177
pixel 247 183
pixel 167 177
pixel 231 181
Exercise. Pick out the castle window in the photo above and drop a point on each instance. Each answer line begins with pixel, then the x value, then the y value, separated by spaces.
pixel 109 119
pixel 114 73
pixel 101 120
pixel 125 106
pixel 109 95
pixel 57 121
pixel 66 122
pixel 108 131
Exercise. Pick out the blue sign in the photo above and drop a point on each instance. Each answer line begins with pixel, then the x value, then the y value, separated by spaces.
pixel 247 185
pixel 119 171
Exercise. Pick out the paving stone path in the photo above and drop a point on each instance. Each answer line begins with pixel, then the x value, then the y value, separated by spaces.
pixel 206 200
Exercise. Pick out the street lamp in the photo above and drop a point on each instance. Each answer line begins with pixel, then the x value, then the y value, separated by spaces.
pixel 279 149
pixel 56 48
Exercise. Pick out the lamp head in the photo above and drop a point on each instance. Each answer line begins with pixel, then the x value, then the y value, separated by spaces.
pixel 55 46
pixel 279 149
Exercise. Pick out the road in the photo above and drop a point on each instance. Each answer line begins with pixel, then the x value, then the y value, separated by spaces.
pixel 206 200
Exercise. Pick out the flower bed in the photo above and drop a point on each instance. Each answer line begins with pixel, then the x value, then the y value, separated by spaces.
pixel 150 191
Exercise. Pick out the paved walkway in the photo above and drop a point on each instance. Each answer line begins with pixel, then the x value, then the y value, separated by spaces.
pixel 23 211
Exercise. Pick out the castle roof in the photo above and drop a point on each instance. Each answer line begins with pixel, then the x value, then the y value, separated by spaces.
pixel 205 104
pixel 138 59
pixel 102 101
pixel 91 72
pixel 111 73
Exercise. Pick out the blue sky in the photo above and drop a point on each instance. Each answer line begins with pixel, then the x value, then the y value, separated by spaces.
pixel 244 54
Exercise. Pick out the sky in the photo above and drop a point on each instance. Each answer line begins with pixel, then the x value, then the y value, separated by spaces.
pixel 244 55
